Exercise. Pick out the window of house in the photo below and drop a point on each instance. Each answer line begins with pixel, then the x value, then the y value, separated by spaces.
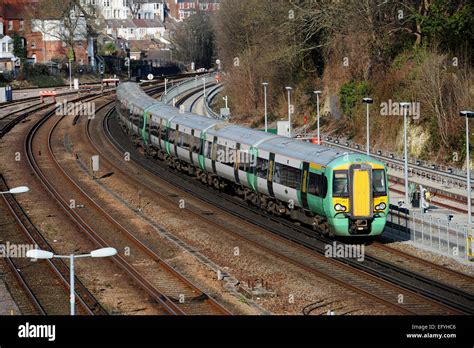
pixel 106 3
pixel 10 25
pixel 22 24
pixel 33 44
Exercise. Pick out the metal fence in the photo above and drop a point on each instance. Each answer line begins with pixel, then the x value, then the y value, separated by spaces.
pixel 434 233
pixel 187 85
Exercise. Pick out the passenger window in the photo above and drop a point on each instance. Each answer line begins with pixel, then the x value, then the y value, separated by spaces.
pixel 261 170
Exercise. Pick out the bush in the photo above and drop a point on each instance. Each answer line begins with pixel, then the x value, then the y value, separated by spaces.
pixel 350 94
pixel 46 81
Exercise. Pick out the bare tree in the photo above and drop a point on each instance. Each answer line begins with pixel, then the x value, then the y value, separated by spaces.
pixel 67 21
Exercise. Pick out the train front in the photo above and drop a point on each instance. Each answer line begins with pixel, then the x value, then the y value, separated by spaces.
pixel 357 201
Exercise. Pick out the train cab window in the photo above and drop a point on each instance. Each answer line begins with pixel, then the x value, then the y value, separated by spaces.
pixel 340 185
pixel 317 185
pixel 261 169
pixel 378 182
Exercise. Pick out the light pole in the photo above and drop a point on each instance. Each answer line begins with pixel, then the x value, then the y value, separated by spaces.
pixel 405 107
pixel 43 254
pixel 368 101
pixel 70 73
pixel 166 86
pixel 317 107
pixel 16 190
pixel 467 115
pixel 289 110
pixel 265 85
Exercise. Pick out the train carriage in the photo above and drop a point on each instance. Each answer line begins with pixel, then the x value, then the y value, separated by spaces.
pixel 343 194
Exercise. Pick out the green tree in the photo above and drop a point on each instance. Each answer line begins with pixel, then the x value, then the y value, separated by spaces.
pixel 19 49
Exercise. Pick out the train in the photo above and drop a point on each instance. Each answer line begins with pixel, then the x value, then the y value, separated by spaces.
pixel 338 194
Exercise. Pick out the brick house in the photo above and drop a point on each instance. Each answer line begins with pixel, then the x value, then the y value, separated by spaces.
pixel 41 46
pixel 182 9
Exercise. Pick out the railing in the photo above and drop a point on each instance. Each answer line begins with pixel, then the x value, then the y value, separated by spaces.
pixel 209 98
pixel 184 86
pixel 441 235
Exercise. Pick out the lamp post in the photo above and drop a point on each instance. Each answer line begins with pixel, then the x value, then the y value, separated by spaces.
pixel 43 254
pixel 289 110
pixel 166 86
pixel 368 101
pixel 265 85
pixel 16 190
pixel 467 115
pixel 405 107
pixel 70 73
pixel 317 107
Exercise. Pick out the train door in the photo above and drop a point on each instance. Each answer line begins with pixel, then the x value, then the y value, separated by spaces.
pixel 361 191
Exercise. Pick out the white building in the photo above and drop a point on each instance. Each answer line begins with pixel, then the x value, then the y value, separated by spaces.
pixel 122 9
pixel 7 58
pixel 152 10
pixel 134 29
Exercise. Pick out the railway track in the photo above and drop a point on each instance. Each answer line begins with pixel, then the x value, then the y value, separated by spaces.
pixel 176 286
pixel 48 297
pixel 188 183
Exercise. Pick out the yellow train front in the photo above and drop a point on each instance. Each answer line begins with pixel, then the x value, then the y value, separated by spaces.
pixel 357 201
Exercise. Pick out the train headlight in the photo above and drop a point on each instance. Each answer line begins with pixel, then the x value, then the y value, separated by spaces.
pixel 339 207
pixel 381 206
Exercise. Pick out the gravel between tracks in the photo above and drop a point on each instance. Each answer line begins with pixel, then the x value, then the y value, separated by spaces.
pixel 114 290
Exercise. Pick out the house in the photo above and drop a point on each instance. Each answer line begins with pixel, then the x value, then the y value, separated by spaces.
pixel 40 36
pixel 7 58
pixel 124 9
pixel 133 29
pixel 182 9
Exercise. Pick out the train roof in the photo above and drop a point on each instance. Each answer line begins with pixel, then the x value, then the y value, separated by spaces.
pixel 291 148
